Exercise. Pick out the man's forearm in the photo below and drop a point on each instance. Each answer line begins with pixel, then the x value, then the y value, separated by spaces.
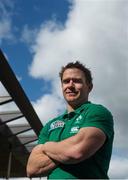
pixel 76 148
pixel 62 151
pixel 39 163
pixel 52 151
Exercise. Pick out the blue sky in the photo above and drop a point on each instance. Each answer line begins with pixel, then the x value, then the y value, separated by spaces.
pixel 30 14
pixel 39 36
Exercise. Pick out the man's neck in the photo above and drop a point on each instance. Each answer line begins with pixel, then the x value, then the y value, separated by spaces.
pixel 71 108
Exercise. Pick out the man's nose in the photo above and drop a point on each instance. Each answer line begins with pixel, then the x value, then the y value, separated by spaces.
pixel 71 83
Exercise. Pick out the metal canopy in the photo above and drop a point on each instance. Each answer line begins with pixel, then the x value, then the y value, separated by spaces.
pixel 19 124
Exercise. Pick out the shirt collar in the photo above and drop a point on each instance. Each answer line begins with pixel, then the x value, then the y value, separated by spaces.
pixel 77 111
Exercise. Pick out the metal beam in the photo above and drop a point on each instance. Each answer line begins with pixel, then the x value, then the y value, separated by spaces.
pixel 15 90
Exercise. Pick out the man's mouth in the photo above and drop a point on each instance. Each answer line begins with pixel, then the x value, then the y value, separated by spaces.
pixel 70 93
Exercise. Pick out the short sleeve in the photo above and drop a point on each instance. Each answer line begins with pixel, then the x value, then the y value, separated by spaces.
pixel 98 116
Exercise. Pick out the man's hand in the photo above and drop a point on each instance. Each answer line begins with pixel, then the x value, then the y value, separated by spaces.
pixel 39 162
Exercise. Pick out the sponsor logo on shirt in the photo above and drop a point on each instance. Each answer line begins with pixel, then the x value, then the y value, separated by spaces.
pixel 56 124
pixel 74 129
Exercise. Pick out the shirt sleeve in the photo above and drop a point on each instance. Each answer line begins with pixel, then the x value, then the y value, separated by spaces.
pixel 43 136
pixel 101 118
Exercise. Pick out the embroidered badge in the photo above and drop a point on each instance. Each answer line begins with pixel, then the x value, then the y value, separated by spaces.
pixel 74 129
pixel 56 124
pixel 78 119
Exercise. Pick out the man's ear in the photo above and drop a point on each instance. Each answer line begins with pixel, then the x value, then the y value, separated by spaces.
pixel 90 86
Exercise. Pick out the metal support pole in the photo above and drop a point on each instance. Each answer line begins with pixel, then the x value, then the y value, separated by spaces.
pixel 9 162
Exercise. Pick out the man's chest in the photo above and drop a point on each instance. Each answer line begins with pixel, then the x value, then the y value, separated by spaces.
pixel 64 128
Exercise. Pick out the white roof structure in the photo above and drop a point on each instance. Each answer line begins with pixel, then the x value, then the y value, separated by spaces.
pixel 19 124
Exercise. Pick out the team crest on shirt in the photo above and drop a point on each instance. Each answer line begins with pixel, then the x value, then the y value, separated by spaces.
pixel 78 119
pixel 56 124
pixel 74 129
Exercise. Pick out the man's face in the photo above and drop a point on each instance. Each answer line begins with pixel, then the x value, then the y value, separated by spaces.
pixel 74 86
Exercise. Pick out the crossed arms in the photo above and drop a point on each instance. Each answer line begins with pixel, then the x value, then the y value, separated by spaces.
pixel 39 163
pixel 46 157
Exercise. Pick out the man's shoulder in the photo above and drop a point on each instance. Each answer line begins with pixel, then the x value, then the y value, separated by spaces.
pixel 57 118
pixel 98 108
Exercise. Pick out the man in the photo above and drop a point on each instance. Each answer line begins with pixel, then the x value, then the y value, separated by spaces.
pixel 77 144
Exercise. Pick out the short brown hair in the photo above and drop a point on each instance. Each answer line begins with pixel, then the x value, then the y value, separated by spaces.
pixel 80 66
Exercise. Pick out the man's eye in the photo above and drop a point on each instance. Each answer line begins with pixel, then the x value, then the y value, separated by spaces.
pixel 66 81
pixel 77 80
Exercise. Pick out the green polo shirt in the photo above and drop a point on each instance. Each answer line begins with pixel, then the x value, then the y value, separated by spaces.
pixel 69 124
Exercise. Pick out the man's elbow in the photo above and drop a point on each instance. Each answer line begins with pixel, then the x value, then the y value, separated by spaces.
pixel 29 174
pixel 32 172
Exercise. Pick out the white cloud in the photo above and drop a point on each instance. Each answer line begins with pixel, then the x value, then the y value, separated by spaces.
pixel 48 107
pixel 28 36
pixel 118 168
pixel 6 7
pixel 5 28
